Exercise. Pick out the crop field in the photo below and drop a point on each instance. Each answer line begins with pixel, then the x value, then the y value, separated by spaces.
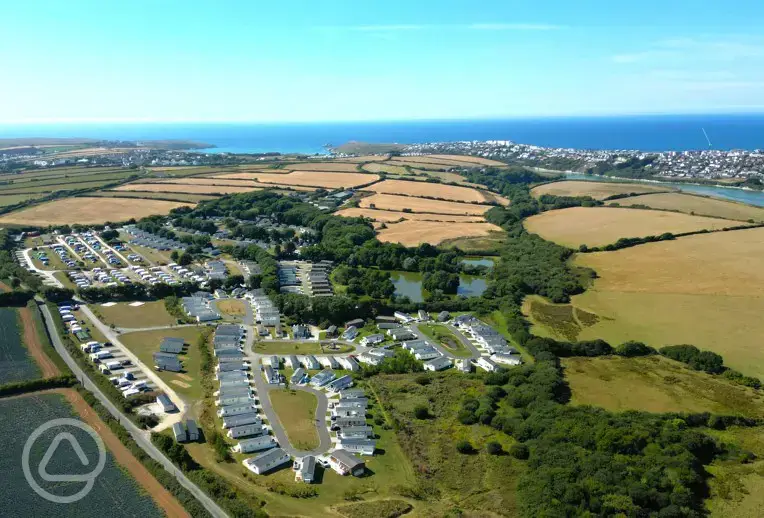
pixel 13 199
pixel 656 384
pixel 413 233
pixel 206 181
pixel 470 159
pixel 189 198
pixel 703 290
pixel 16 362
pixel 86 211
pixel 598 226
pixel 325 180
pixel 698 205
pixel 323 166
pixel 404 161
pixel 296 410
pixel 429 190
pixel 123 489
pixel 384 167
pixel 401 203
pixel 389 215
pixel 58 172
pixel 432 160
pixel 183 188
pixel 145 343
pixel 65 184
pixel 122 314
pixel 597 190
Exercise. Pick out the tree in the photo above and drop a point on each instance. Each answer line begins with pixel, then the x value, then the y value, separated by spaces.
pixel 174 255
pixel 185 259
pixel 494 448
pixel 421 412
pixel 519 451
pixel 441 280
pixel 632 349
pixel 464 447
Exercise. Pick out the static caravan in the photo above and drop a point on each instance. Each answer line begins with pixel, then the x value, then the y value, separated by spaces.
pixel 232 410
pixel 233 400
pixel 264 442
pixel 247 430
pixel 103 368
pixel 130 392
pixel 240 382
pixel 267 461
pixel 242 419
pixel 329 362
pixel 233 391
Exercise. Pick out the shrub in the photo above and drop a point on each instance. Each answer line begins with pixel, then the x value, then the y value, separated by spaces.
pixel 494 448
pixel 633 349
pixel 421 412
pixel 464 447
pixel 519 451
pixel 423 379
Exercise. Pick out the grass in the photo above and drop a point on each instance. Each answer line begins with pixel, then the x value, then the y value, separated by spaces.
pixel 150 314
pixel 598 226
pixel 656 384
pixel 698 205
pixel 190 198
pixel 442 335
pixel 13 199
pixel 413 233
pixel 296 410
pixel 145 343
pixel 375 509
pixel 54 261
pixel 285 347
pixel 16 364
pixel 480 483
pixel 497 321
pixel 476 245
pixel 61 276
pixel 231 307
pixel 597 190
pixel 559 321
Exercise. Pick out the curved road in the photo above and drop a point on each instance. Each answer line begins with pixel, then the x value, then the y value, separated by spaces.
pixel 143 439
pixel 458 334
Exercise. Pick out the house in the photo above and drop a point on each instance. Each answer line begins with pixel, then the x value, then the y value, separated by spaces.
pixel 400 335
pixel 341 383
pixel 301 332
pixel 271 375
pixel 426 353
pixel 370 340
pixel 486 364
pixel 171 344
pixel 180 432
pixel 264 442
pixel 350 333
pixel 443 316
pixel 464 365
pixel 345 463
pixel 322 378
pixel 266 461
pixel 359 446
pixel 310 363
pixel 344 422
pixel 356 322
pixel 402 317
pixel 331 331
pixel 298 376
pixel 355 432
pixel 349 363
pixel 193 430
pixel 437 364
pixel 423 316
pixel 246 430
pixel 165 403
pixel 507 359
pixel 305 469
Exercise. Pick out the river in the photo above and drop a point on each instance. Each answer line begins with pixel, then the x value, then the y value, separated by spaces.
pixel 728 193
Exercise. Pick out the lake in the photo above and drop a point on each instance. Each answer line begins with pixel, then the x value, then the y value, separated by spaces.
pixel 410 285
pixel 488 262
pixel 727 193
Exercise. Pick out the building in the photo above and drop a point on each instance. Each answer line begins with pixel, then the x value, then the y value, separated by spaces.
pixel 437 364
pixel 193 430
pixel 352 394
pixel 358 446
pixel 443 316
pixel 164 363
pixel 274 361
pixel 264 442
pixel 426 353
pixel 507 359
pixel 464 365
pixel 331 331
pixel 349 363
pixel 341 383
pixel 236 409
pixel 486 364
pixel 292 362
pixel 345 422
pixel 298 376
pixel 311 363
pixel 171 344
pixel 368 359
pixel 402 317
pixel 329 362
pixel 239 420
pixel 301 332
pixel 165 403
pixel 322 378
pixel 350 333
pixel 356 322
pixel 370 340
pixel 400 335
pixel 247 430
pixel 180 432
pixel 271 375
pixel 305 469
pixel 266 461
pixel 423 316
pixel 345 463
pixel 355 432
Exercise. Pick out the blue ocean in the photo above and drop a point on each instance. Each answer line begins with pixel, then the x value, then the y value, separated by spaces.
pixel 647 133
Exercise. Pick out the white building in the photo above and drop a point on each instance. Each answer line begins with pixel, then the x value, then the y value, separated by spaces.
pixel 267 461
pixel 437 364
pixel 486 364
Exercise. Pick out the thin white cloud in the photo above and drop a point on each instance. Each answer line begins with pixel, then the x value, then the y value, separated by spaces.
pixel 724 49
pixel 422 27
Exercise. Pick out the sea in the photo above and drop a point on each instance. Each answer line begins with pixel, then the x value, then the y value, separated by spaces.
pixel 646 133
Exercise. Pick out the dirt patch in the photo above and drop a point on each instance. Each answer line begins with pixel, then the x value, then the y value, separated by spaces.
pixel 34 345
pixel 186 377
pixel 180 383
pixel 412 233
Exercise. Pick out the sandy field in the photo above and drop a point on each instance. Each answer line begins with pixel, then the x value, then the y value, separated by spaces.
pixel 597 190
pixel 404 161
pixel 698 205
pixel 398 203
pixel 313 179
pixel 364 158
pixel 598 226
pixel 384 167
pixel 388 215
pixel 184 187
pixel 430 190
pixel 413 233
pixel 89 210
pixel 34 345
pixel 471 159
pixel 323 166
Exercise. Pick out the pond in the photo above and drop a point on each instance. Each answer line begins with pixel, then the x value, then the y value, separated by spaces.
pixel 488 262
pixel 410 285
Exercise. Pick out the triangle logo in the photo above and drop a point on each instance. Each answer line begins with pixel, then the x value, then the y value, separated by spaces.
pixel 68 437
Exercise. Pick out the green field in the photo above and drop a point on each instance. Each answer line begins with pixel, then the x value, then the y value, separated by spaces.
pixel 122 314
pixel 656 384
pixel 115 493
pixel 297 413
pixel 13 199
pixel 62 172
pixel 737 489
pixel 442 335
pixel 15 362
pixel 145 343
pixel 284 347
pixel 65 184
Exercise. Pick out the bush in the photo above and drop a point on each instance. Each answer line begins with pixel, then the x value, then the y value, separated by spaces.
pixel 423 379
pixel 464 447
pixel 633 349
pixel 519 451
pixel 421 412
pixel 494 448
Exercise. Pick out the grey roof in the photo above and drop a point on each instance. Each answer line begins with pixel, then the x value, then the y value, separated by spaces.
pixel 242 419
pixel 171 344
pixel 439 363
pixel 228 329
pixel 164 400
pixel 192 428
pixel 263 460
pixel 347 458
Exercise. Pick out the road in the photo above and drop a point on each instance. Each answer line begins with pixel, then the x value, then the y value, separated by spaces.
pixel 458 334
pixel 142 438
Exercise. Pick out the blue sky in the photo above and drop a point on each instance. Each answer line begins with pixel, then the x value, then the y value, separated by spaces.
pixel 250 60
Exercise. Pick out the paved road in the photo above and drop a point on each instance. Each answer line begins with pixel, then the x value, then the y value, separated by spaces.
pixel 458 334
pixel 155 328
pixel 142 438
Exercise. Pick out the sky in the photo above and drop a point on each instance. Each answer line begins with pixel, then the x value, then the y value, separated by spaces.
pixel 331 60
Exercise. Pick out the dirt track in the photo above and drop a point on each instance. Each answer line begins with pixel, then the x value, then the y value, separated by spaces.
pixel 32 340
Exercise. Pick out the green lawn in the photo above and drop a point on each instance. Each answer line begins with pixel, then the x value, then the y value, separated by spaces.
pixel 498 322
pixel 442 335
pixel 13 199
pixel 122 314
pixel 297 413
pixel 145 343
pixel 286 347
pixel 54 261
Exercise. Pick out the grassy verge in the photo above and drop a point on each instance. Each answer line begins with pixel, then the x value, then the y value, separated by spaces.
pixel 442 335
pixel 279 347
pixel 297 412
pixel 122 314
